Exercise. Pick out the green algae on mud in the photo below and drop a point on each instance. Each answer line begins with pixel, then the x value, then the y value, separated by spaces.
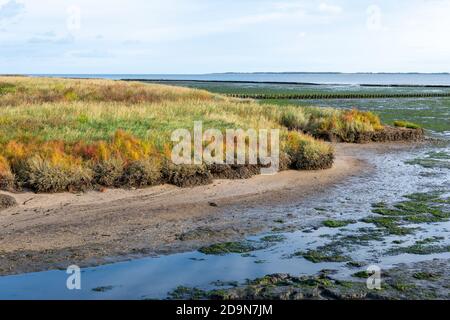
pixel 430 276
pixel 418 208
pixel 326 253
pixel 361 274
pixel 273 238
pixel 389 224
pixel 337 223
pixel 400 219
pixel 429 163
pixel 243 247
pixel 432 160
pixel 355 264
pixel 234 247
pixel 420 249
pixel 424 280
pixel 407 124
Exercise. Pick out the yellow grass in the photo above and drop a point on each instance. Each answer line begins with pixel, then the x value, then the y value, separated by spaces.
pixel 75 124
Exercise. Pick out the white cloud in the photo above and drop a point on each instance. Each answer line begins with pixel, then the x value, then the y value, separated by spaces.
pixel 178 36
pixel 51 37
pixel 11 9
pixel 329 8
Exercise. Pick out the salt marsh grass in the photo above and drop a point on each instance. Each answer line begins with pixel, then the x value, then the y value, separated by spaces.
pixel 66 134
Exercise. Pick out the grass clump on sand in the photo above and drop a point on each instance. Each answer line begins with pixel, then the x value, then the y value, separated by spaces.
pixel 142 173
pixel 47 168
pixel 332 124
pixel 60 134
pixel 187 175
pixel 406 124
pixel 7 202
pixel 46 176
pixel 306 153
pixel 108 173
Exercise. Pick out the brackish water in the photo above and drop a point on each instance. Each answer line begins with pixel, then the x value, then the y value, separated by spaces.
pixel 398 173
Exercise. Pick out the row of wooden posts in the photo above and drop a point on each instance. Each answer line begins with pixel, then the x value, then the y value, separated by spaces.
pixel 313 96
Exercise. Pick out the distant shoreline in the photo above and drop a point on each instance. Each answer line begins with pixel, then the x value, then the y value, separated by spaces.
pixel 374 80
pixel 291 83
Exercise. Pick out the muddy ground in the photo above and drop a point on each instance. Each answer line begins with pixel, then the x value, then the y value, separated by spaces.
pixel 429 280
pixel 53 231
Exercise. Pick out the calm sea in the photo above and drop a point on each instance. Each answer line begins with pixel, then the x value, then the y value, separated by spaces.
pixel 316 78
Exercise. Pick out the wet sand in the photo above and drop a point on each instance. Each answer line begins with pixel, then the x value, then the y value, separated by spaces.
pixel 53 231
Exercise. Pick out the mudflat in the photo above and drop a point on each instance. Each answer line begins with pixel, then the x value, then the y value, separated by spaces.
pixel 48 231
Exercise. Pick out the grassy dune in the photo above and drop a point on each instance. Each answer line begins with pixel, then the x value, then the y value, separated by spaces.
pixel 58 135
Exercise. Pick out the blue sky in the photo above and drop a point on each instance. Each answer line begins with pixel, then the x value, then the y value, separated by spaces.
pixel 203 36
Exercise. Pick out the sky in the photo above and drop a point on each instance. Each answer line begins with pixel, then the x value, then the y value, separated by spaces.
pixel 208 36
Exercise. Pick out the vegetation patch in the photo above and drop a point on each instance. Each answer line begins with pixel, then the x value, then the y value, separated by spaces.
pixel 306 153
pixel 6 87
pixel 187 175
pixel 323 254
pixel 389 224
pixel 439 155
pixel 430 276
pixel 70 135
pixel 434 239
pixel 6 176
pixel 338 223
pixel 439 160
pixel 429 163
pixel 232 247
pixel 419 208
pixel 280 287
pixel 108 173
pixel 356 264
pixel 225 171
pixel 391 134
pixel 361 274
pixel 407 124
pixel 7 202
pixel 42 175
pixel 405 282
pixel 142 173
pixel 420 249
pixel 273 238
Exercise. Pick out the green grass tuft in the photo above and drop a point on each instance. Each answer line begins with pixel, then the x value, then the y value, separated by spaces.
pixel 407 124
